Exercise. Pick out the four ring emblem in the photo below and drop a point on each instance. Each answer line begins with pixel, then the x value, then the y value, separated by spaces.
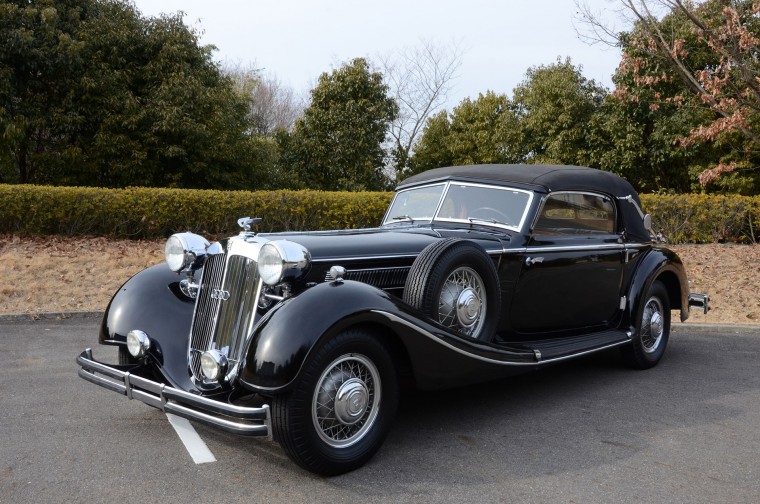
pixel 221 295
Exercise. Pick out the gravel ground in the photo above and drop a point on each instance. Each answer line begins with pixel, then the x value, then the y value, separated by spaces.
pixel 55 274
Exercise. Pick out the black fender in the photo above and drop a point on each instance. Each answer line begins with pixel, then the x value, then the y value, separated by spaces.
pixel 289 333
pixel 151 301
pixel 658 264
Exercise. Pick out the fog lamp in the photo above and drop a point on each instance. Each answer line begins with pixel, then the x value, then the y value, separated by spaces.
pixel 213 364
pixel 138 343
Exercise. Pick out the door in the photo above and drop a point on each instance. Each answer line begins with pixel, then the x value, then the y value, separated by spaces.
pixel 571 273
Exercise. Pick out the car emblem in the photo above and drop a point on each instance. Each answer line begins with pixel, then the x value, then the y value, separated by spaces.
pixel 221 295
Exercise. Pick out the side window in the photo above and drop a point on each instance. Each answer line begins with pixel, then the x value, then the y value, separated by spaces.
pixel 576 213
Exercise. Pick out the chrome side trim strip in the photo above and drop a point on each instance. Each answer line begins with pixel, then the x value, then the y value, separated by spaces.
pixel 240 420
pixel 431 336
pixel 576 248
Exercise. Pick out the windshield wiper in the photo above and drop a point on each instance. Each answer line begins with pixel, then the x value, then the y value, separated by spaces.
pixel 490 221
pixel 403 217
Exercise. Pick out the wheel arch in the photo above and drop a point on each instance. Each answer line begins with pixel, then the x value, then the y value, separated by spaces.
pixel 292 332
pixel 658 264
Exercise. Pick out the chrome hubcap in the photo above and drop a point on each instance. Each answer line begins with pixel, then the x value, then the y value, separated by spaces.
pixel 351 401
pixel 346 400
pixel 653 325
pixel 461 305
pixel 468 307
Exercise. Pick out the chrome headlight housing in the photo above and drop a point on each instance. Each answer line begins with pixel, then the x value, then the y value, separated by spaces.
pixel 282 260
pixel 185 251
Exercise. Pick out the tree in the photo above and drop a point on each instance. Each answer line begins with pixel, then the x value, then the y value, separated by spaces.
pixel 484 130
pixel 337 143
pixel 40 60
pixel 554 106
pixel 697 55
pixel 93 93
pixel 420 79
pixel 271 105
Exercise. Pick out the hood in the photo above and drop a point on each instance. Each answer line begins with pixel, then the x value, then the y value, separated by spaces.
pixel 375 243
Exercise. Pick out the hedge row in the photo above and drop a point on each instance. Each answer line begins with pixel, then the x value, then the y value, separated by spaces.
pixel 703 218
pixel 156 213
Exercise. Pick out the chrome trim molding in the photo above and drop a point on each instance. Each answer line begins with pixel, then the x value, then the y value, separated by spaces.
pixel 240 420
pixel 537 353
pixel 572 248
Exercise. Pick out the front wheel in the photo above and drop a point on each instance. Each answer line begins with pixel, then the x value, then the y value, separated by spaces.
pixel 652 331
pixel 338 414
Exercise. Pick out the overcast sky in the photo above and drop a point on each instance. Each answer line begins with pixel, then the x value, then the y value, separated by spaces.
pixel 297 40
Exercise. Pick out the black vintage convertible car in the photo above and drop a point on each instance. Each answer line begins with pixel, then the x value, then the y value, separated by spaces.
pixel 475 273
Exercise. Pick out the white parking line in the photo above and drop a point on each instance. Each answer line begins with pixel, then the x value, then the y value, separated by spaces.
pixel 192 441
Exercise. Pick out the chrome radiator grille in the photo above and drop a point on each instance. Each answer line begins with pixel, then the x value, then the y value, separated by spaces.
pixel 225 308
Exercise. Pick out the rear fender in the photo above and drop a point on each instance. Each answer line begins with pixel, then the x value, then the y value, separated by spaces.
pixel 664 265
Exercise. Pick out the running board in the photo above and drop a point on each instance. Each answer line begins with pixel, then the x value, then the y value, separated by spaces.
pixel 554 349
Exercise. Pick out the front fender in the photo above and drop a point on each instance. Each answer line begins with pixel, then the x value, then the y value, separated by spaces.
pixel 658 264
pixel 283 339
pixel 152 302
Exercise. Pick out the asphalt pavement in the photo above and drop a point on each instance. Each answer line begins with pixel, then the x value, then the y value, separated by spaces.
pixel 591 430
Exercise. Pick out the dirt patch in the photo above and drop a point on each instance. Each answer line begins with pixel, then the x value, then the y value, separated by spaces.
pixel 59 274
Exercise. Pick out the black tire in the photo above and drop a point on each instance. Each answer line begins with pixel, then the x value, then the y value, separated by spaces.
pixel 326 437
pixel 125 357
pixel 652 329
pixel 450 271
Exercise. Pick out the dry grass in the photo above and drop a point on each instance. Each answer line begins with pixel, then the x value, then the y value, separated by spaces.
pixel 59 274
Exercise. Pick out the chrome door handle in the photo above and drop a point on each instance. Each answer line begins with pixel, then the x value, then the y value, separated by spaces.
pixel 530 261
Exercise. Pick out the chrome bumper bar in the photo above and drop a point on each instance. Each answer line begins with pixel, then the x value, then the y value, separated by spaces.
pixel 241 420
pixel 700 301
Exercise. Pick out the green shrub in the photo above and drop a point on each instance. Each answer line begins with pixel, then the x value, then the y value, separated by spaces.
pixel 154 213
pixel 157 213
pixel 703 218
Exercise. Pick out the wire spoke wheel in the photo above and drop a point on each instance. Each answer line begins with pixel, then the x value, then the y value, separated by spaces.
pixel 346 400
pixel 462 301
pixel 650 339
pixel 455 283
pixel 652 325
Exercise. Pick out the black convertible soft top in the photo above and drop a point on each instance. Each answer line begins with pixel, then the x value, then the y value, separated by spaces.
pixel 548 177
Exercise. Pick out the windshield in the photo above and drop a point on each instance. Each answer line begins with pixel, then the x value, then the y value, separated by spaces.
pixel 418 204
pixel 462 202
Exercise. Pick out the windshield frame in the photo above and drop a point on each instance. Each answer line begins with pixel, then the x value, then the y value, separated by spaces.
pixel 388 219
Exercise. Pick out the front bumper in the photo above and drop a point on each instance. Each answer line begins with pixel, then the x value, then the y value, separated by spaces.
pixel 240 420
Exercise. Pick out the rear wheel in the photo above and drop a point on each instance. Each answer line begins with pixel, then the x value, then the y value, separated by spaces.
pixel 338 414
pixel 652 331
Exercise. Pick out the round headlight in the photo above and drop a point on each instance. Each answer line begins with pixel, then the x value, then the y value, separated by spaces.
pixel 282 260
pixel 175 253
pixel 270 264
pixel 213 364
pixel 138 343
pixel 185 250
